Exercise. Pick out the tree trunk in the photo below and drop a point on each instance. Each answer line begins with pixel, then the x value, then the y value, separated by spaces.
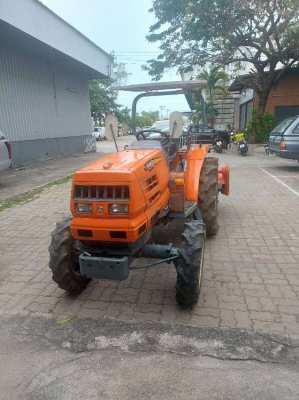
pixel 263 96
pixel 258 125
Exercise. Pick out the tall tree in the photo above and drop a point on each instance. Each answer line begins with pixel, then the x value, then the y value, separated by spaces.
pixel 216 81
pixel 102 99
pixel 124 116
pixel 147 118
pixel 263 34
pixel 102 96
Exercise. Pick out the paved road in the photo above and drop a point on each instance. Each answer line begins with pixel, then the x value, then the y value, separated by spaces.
pixel 251 283
pixel 110 360
pixel 17 181
pixel 251 270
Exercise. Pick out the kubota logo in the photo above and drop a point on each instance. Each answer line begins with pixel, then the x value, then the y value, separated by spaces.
pixel 150 165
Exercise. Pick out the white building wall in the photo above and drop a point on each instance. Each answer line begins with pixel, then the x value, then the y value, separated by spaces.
pixel 40 100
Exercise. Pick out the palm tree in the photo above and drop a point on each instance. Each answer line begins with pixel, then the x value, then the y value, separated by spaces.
pixel 216 80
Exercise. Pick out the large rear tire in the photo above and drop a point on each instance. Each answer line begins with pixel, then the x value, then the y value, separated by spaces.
pixel 189 265
pixel 64 260
pixel 208 195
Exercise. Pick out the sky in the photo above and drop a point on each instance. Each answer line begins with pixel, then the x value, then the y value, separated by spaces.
pixel 121 26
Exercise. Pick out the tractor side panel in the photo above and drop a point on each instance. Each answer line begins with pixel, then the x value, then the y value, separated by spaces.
pixel 153 178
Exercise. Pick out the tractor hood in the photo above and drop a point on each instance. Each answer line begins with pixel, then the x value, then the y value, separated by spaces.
pixel 118 165
pixel 135 179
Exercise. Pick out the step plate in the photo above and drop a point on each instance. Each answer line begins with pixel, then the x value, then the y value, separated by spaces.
pixel 116 269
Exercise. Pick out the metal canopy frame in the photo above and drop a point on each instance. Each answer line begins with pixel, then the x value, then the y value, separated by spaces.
pixel 157 86
pixel 154 89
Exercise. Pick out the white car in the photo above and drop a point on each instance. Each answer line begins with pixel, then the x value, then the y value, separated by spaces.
pixel 99 133
pixel 162 126
pixel 5 153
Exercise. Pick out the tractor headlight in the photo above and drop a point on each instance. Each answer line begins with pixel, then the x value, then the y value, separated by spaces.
pixel 115 209
pixel 83 208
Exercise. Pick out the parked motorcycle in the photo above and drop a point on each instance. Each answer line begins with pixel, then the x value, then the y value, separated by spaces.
pixel 218 145
pixel 243 147
pixel 239 140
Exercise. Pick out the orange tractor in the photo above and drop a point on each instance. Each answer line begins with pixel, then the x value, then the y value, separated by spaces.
pixel 137 203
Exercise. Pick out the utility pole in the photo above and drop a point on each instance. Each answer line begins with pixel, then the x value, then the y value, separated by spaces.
pixel 162 108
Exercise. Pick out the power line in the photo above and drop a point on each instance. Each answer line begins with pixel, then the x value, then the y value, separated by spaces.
pixel 137 51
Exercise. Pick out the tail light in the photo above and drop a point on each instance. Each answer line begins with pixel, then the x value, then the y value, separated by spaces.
pixel 282 146
pixel 8 145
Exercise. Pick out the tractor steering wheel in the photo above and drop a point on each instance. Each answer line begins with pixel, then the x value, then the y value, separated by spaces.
pixel 140 136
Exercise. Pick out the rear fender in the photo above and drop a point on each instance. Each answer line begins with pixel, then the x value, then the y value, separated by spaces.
pixel 195 160
pixel 224 179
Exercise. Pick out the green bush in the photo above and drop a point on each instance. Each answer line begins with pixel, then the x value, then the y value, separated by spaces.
pixel 260 127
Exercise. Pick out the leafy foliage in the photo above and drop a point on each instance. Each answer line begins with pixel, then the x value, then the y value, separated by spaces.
pixel 198 114
pixel 262 34
pixel 102 99
pixel 216 84
pixel 147 118
pixel 124 116
pixel 260 127
pixel 216 81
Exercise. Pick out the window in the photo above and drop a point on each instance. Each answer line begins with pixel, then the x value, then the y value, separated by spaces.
pixel 296 130
pixel 283 126
pixel 283 112
pixel 245 114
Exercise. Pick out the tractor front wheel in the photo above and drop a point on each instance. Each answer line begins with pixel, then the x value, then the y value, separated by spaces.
pixel 208 196
pixel 189 265
pixel 64 260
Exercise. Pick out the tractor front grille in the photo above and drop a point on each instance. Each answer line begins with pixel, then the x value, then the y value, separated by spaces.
pixel 101 193
pixel 151 183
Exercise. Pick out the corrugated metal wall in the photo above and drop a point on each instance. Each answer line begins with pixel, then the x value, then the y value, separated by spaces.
pixel 40 99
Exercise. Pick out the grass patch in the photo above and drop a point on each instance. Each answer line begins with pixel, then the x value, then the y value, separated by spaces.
pixel 31 194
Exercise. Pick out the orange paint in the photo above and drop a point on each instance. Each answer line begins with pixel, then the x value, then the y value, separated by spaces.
pixel 195 160
pixel 148 194
pixel 141 182
pixel 224 179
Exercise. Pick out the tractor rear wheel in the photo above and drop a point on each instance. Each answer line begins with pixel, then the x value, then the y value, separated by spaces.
pixel 189 265
pixel 64 260
pixel 208 196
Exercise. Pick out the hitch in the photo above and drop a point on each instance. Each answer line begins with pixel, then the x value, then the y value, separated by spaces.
pixel 159 251
pixel 165 254
pixel 118 268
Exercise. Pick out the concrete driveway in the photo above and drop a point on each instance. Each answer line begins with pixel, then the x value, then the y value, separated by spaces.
pixel 245 327
pixel 113 360
pixel 286 174
pixel 17 181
